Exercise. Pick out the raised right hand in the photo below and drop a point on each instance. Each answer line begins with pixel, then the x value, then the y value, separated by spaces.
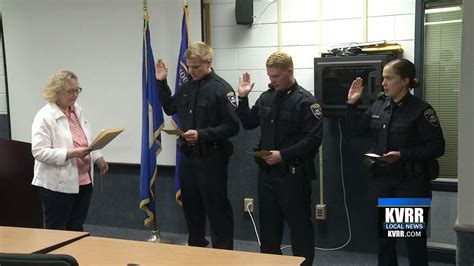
pixel 245 85
pixel 355 92
pixel 161 70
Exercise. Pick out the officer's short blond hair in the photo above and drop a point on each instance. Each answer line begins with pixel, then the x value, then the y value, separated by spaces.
pixel 199 50
pixel 280 60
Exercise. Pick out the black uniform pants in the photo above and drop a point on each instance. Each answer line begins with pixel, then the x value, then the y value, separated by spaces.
pixel 286 197
pixel 65 211
pixel 400 187
pixel 204 192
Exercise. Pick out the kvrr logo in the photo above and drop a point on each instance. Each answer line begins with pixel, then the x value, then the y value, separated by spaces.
pixel 404 215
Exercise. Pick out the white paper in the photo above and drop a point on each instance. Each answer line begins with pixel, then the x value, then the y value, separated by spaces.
pixel 373 155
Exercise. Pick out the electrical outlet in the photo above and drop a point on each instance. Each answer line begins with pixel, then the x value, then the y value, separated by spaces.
pixel 248 204
pixel 321 212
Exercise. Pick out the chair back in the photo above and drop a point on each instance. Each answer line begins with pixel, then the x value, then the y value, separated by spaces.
pixel 16 259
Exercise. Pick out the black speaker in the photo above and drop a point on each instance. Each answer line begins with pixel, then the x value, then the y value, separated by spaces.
pixel 244 12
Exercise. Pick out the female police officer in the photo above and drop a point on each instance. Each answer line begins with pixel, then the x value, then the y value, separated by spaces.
pixel 408 135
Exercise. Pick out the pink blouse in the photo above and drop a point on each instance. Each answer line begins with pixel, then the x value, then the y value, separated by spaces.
pixel 79 139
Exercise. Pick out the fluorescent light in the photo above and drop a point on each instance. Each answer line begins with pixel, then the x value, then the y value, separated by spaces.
pixel 443 22
pixel 442 9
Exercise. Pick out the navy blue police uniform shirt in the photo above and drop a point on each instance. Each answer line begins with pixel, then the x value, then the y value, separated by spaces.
pixel 410 126
pixel 289 121
pixel 207 105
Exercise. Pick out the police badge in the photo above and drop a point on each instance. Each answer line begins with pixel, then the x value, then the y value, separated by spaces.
pixel 316 110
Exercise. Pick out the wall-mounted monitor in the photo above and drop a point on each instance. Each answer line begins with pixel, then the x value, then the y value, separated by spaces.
pixel 333 77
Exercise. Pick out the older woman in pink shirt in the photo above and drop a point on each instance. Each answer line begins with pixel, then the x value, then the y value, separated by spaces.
pixel 64 169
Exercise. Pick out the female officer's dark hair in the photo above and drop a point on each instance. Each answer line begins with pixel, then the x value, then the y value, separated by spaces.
pixel 405 69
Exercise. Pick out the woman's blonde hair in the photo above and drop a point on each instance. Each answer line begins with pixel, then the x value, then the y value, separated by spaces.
pixel 59 81
pixel 199 50
pixel 280 60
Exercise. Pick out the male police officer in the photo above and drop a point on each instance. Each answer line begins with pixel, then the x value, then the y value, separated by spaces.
pixel 205 107
pixel 290 121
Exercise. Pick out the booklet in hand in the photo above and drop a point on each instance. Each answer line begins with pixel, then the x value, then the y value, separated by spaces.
pixel 372 155
pixel 176 132
pixel 261 153
pixel 375 156
pixel 105 136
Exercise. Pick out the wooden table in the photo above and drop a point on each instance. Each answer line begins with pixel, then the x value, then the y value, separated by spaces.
pixel 97 250
pixel 31 240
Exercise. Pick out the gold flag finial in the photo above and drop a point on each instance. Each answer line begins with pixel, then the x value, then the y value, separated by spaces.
pixel 145 10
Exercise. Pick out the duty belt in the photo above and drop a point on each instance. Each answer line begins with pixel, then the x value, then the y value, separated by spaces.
pixel 404 169
pixel 197 149
pixel 281 168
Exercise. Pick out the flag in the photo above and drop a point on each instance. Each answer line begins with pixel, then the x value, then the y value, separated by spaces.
pixel 152 124
pixel 182 75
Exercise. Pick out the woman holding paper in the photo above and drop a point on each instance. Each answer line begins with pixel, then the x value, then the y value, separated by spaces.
pixel 64 171
pixel 407 140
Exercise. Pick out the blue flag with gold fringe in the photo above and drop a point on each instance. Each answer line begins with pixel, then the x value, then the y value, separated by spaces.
pixel 182 76
pixel 152 124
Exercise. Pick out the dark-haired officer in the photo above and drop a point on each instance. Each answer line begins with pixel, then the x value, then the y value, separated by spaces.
pixel 408 134
pixel 205 107
pixel 290 121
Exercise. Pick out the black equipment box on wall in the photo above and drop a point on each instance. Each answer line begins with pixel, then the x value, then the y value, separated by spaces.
pixel 333 77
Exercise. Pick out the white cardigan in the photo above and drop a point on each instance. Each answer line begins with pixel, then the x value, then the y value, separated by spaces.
pixel 50 140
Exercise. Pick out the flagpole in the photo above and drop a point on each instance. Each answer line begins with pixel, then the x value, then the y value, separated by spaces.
pixel 186 14
pixel 155 233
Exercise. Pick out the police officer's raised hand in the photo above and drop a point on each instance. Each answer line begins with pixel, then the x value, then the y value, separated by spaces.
pixel 391 157
pixel 273 158
pixel 245 85
pixel 355 92
pixel 191 136
pixel 161 70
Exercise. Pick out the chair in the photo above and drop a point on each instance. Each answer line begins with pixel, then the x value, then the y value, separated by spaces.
pixel 15 259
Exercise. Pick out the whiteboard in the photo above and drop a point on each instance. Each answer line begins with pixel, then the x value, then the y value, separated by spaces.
pixel 100 41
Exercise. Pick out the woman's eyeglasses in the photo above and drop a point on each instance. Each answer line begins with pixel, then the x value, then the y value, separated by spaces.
pixel 73 91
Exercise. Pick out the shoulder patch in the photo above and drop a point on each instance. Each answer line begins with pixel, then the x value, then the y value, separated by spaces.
pixel 431 117
pixel 316 110
pixel 232 98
